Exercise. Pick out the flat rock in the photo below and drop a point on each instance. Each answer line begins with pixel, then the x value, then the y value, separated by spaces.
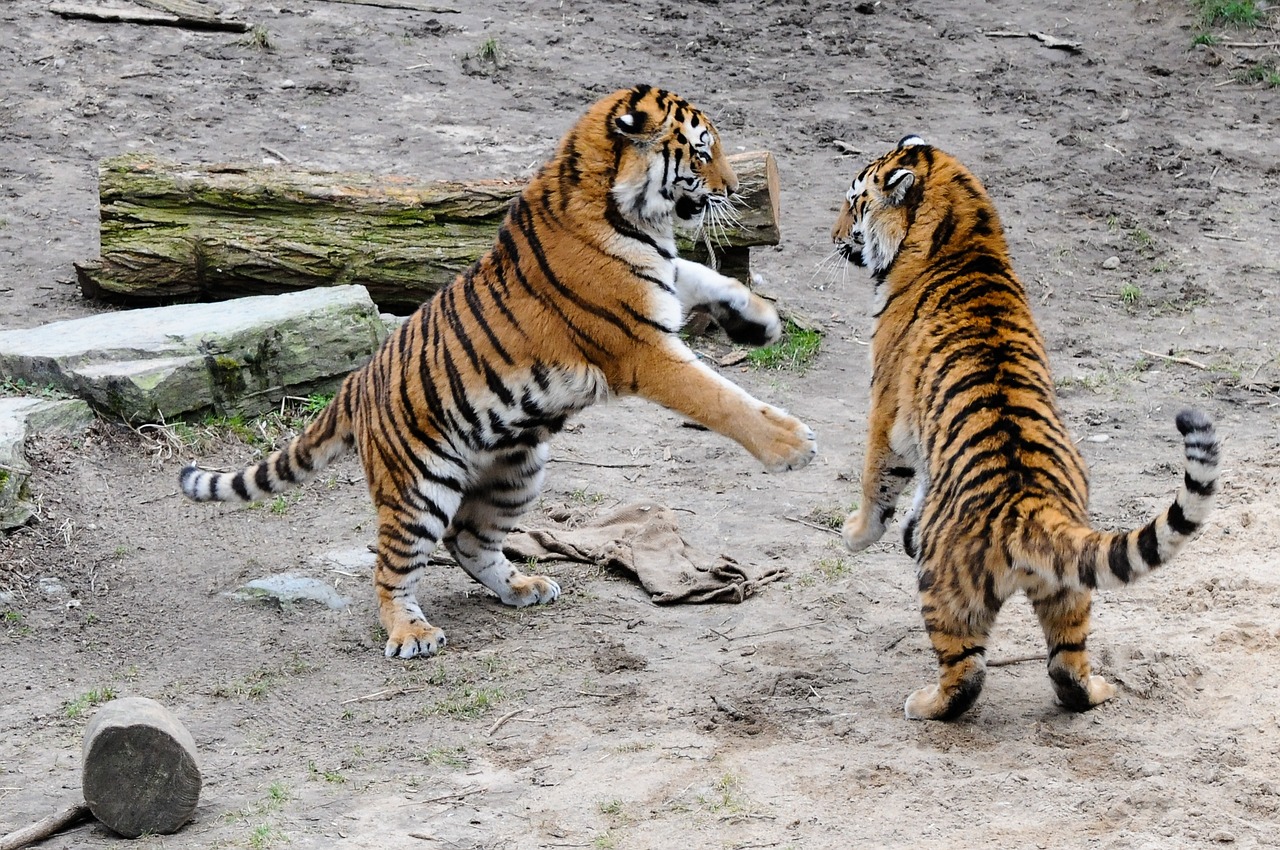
pixel 19 419
pixel 239 356
pixel 287 588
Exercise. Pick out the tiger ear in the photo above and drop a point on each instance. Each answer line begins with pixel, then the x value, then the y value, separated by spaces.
pixel 631 123
pixel 897 184
pixel 910 141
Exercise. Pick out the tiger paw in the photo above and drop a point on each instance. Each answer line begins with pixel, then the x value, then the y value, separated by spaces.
pixel 925 704
pixel 414 638
pixel 1073 696
pixel 792 444
pixel 530 590
pixel 755 322
pixel 859 532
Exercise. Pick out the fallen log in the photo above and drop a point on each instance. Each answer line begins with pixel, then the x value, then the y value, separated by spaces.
pixel 179 232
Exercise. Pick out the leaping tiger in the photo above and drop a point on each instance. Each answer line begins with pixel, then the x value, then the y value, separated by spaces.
pixel 962 401
pixel 580 298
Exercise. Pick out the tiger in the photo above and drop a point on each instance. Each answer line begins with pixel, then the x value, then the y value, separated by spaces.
pixel 962 401
pixel 580 299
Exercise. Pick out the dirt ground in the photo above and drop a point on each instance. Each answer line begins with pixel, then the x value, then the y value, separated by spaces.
pixel 774 723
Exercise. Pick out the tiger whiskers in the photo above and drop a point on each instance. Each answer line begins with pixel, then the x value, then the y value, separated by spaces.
pixel 832 267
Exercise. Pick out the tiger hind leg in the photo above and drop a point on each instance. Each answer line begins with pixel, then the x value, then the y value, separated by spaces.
pixel 488 513
pixel 1064 617
pixel 959 640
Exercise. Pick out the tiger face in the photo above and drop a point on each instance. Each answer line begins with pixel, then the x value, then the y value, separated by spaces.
pixel 669 160
pixel 878 209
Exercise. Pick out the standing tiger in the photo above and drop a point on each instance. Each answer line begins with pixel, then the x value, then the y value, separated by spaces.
pixel 962 401
pixel 580 298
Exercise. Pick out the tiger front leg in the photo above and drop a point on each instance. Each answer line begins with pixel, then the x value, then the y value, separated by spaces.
pixel 406 539
pixel 746 317
pixel 885 475
pixel 676 379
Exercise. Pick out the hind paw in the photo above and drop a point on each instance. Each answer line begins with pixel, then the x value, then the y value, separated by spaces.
pixel 413 639
pixel 859 532
pixel 531 590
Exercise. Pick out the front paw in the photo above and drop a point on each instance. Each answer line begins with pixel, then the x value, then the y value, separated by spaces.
pixel 754 323
pixel 413 638
pixel 792 444
pixel 861 530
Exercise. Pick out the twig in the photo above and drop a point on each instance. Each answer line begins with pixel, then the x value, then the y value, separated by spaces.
pixel 776 631
pixel 501 721
pixel 867 91
pixel 602 696
pixel 1044 38
pixel 387 693
pixel 456 795
pixel 1248 44
pixel 899 639
pixel 1005 662
pixel 411 5
pixel 42 829
pixel 1223 237
pixel 809 524
pixel 275 153
pixel 728 708
pixel 601 465
pixel 1185 361
pixel 137 16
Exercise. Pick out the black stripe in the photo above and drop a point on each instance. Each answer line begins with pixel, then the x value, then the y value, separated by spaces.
pixel 262 477
pixel 1179 523
pixel 1149 545
pixel 953 660
pixel 237 484
pixel 1066 647
pixel 472 299
pixel 1200 488
pixel 1118 558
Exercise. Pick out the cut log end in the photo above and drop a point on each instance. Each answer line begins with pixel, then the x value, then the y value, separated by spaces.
pixel 140 769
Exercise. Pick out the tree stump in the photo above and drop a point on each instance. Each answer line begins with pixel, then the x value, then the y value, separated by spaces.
pixel 177 232
pixel 140 770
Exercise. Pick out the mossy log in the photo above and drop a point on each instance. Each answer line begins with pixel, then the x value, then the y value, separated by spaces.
pixel 178 232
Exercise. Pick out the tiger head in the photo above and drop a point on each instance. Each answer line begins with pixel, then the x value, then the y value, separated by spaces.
pixel 919 197
pixel 657 155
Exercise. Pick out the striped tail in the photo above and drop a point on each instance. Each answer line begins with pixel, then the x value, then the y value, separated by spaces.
pixel 1102 559
pixel 329 436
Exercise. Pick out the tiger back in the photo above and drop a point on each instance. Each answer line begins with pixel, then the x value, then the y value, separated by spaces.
pixel 963 404
pixel 579 299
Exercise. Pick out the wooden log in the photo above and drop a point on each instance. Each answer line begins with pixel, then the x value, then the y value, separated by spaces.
pixel 137 16
pixel 140 769
pixel 175 232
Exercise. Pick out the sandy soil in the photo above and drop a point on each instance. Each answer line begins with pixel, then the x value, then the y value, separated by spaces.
pixel 774 723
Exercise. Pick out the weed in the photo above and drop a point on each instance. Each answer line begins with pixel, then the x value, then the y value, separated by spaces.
pixel 832 517
pixel 604 841
pixel 797 350
pixel 612 808
pixel 264 836
pixel 18 387
pixel 278 793
pixel 1130 294
pixel 279 506
pixel 331 776
pixel 1206 39
pixel 77 707
pixel 12 618
pixel 724 797
pixel 583 496
pixel 489 51
pixel 260 38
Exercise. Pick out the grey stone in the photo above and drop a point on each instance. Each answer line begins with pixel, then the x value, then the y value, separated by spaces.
pixel 239 356
pixel 19 419
pixel 288 588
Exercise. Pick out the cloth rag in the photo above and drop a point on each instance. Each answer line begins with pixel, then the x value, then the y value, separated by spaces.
pixel 643 540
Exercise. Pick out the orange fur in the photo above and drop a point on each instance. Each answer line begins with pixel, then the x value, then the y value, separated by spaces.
pixel 962 401
pixel 580 298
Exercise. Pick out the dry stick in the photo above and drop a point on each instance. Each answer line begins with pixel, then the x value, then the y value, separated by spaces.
pixel 501 721
pixel 1019 659
pixel 1249 44
pixel 387 693
pixel 806 522
pixel 776 631
pixel 601 465
pixel 1185 361
pixel 42 829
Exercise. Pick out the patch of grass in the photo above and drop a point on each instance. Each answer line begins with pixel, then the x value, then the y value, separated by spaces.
pixel 611 808
pixel 331 776
pixel 724 797
pixel 264 836
pixel 834 569
pixel 795 351
pixel 77 707
pixel 829 516
pixel 1206 39
pixel 11 387
pixel 1266 72
pixel 583 496
pixel 1130 294
pixel 259 38
pixel 1241 13
pixel 455 757
pixel 488 50
pixel 467 702
pixel 604 841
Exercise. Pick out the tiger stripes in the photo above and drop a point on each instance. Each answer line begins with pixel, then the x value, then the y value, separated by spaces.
pixel 579 299
pixel 963 404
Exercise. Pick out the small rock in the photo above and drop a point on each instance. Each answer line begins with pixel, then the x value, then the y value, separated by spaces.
pixel 288 587
pixel 1111 263
pixel 51 588
pixel 288 84
pixel 1151 768
pixel 1222 836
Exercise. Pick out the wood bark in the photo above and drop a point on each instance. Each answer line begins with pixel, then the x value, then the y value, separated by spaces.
pixel 140 769
pixel 179 232
pixel 137 16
